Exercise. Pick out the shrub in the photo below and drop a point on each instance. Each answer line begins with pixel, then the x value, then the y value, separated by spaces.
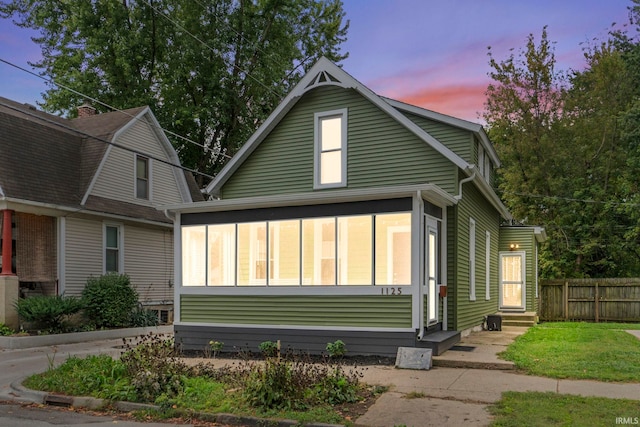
pixel 48 312
pixel 110 300
pixel 5 330
pixel 141 317
pixel 154 368
pixel 268 348
pixel 337 348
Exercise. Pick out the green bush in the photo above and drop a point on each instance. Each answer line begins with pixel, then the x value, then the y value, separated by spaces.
pixel 110 300
pixel 141 317
pixel 268 348
pixel 48 312
pixel 337 348
pixel 5 330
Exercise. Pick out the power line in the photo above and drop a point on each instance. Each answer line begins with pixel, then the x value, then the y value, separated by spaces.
pixel 131 150
pixel 97 101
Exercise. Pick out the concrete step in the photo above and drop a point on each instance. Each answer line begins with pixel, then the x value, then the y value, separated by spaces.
pixel 511 322
pixel 439 341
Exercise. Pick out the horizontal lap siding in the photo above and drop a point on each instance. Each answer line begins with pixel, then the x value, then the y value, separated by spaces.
pixel 83 253
pixel 458 140
pixel 117 177
pixel 236 339
pixel 149 262
pixel 327 310
pixel 473 205
pixel 380 151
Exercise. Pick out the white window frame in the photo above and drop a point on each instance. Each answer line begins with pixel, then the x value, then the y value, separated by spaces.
pixel 487 263
pixel 120 247
pixel 135 177
pixel 481 164
pixel 472 259
pixel 318 117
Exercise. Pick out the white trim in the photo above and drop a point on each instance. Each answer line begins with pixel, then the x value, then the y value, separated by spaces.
pixel 431 228
pixel 523 275
pixel 343 114
pixel 120 228
pixel 96 174
pixel 472 259
pixel 62 253
pixel 417 263
pixel 308 82
pixel 289 290
pixel 487 265
pixel 177 265
pixel 298 327
pixel 430 192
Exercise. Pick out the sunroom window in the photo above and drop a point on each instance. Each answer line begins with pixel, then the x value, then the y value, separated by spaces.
pixel 372 249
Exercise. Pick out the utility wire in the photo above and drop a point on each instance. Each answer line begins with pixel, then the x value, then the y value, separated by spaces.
pixel 97 101
pixel 84 134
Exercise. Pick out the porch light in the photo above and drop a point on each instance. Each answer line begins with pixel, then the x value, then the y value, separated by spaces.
pixel 514 246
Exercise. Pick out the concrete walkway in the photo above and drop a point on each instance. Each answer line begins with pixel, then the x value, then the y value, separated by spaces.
pixel 456 391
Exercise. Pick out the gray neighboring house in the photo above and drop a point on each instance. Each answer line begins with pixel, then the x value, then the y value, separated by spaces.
pixel 81 196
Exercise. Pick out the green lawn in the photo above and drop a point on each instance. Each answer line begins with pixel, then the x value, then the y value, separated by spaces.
pixel 549 409
pixel 597 351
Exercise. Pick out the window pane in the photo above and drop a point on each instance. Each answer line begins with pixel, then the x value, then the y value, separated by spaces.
pixel 512 268
pixel 284 253
pixel 319 251
pixel 111 260
pixel 112 237
pixel 355 250
pixel 141 167
pixel 331 133
pixel 193 256
pixel 142 189
pixel 252 254
pixel 393 249
pixel 331 167
pixel 222 255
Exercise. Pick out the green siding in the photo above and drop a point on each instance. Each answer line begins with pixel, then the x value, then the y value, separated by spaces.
pixel 463 312
pixel 328 310
pixel 380 151
pixel 458 140
pixel 525 238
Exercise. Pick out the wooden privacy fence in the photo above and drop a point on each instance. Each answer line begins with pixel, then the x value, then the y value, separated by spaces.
pixel 596 300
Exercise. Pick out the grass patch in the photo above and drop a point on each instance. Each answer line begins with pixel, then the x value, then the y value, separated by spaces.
pixel 596 351
pixel 535 409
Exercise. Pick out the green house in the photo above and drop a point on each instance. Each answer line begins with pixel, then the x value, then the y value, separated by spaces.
pixel 350 216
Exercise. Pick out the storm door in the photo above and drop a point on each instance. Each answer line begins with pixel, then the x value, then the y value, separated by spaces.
pixel 431 268
pixel 512 280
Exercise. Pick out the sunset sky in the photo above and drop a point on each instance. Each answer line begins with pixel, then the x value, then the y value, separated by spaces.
pixel 430 53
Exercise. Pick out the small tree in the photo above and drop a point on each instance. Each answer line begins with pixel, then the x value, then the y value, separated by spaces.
pixel 48 312
pixel 110 300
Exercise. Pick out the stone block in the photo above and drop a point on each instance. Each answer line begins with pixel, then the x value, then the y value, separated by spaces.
pixel 414 358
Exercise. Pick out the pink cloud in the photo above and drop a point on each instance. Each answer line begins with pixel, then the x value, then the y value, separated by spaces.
pixel 464 101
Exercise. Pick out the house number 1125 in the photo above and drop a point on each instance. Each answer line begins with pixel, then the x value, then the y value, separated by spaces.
pixel 391 291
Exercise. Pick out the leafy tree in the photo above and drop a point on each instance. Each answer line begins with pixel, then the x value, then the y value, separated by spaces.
pixel 559 138
pixel 211 71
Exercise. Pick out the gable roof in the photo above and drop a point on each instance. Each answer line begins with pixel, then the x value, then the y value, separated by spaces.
pixel 325 72
pixel 46 159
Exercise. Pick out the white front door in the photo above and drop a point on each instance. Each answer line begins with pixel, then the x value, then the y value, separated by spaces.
pixel 431 268
pixel 512 281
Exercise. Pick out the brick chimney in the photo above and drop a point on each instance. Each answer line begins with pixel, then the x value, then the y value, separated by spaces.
pixel 86 110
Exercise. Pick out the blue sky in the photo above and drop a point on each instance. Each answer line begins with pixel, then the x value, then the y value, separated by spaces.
pixel 430 53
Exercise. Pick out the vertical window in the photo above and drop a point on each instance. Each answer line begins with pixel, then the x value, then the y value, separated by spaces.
pixel 481 160
pixel 331 149
pixel 221 245
pixel 355 250
pixel 393 249
pixel 194 259
pixel 319 251
pixel 472 259
pixel 252 254
pixel 284 253
pixel 112 262
pixel 487 263
pixel 142 177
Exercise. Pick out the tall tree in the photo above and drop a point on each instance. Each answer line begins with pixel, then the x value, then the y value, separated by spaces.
pixel 559 137
pixel 211 70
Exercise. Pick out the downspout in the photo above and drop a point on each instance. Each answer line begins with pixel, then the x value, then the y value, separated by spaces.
pixel 420 290
pixel 464 181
